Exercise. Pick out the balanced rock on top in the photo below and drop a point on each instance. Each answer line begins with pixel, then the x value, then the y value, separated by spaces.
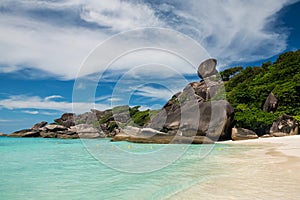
pixel 207 68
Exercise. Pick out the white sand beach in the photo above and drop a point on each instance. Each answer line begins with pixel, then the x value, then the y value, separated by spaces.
pixel 269 170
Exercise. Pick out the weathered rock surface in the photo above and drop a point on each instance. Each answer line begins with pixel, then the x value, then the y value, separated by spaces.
pixel 266 136
pixel 55 127
pixel 87 131
pixel 39 125
pixel 19 133
pixel 48 134
pixel 279 134
pixel 242 134
pixel 207 68
pixel 162 139
pixel 66 120
pixel 31 134
pixel 3 135
pixel 213 119
pixel 131 130
pixel 284 125
pixel 271 103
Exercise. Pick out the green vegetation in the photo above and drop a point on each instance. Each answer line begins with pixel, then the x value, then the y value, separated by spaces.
pixel 105 118
pixel 247 90
pixel 137 117
pixel 141 117
pixel 228 73
pixel 111 126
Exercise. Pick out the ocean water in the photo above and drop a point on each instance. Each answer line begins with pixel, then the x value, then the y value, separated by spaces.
pixel 38 168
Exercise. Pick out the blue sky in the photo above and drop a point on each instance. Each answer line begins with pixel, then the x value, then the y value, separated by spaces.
pixel 43 46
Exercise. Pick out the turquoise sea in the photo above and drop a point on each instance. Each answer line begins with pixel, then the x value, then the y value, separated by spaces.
pixel 38 168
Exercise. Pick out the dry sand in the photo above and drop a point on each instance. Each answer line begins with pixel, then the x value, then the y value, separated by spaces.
pixel 269 170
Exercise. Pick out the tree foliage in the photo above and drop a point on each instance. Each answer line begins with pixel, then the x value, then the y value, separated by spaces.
pixel 248 90
pixel 228 73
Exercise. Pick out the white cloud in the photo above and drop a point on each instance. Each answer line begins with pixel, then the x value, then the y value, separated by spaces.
pixel 35 44
pixel 107 98
pixel 102 98
pixel 6 120
pixel 53 97
pixel 35 112
pixel 35 102
pixel 231 31
pixel 235 31
pixel 114 99
pixel 119 15
pixel 151 92
pixel 49 113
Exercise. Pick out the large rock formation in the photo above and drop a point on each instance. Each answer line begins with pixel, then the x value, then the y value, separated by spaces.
pixel 284 125
pixel 242 134
pixel 193 112
pixel 271 103
pixel 198 114
pixel 89 125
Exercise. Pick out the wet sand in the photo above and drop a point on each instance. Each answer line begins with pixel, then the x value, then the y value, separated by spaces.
pixel 270 169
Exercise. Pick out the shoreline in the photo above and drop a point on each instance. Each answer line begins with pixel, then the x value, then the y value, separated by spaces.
pixel 270 169
pixel 287 145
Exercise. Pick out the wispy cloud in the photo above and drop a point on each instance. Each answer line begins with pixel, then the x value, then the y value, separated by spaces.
pixel 120 15
pixel 32 112
pixel 102 98
pixel 36 102
pixel 53 97
pixel 235 30
pixel 151 92
pixel 49 113
pixel 107 98
pixel 114 99
pixel 6 120
pixel 232 31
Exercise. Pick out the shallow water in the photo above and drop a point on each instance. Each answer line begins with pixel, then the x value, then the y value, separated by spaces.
pixel 37 168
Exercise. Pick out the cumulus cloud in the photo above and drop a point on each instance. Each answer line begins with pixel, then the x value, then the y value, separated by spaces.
pixel 232 31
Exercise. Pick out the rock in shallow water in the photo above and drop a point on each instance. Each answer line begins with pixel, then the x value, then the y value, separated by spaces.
pixel 19 133
pixel 163 139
